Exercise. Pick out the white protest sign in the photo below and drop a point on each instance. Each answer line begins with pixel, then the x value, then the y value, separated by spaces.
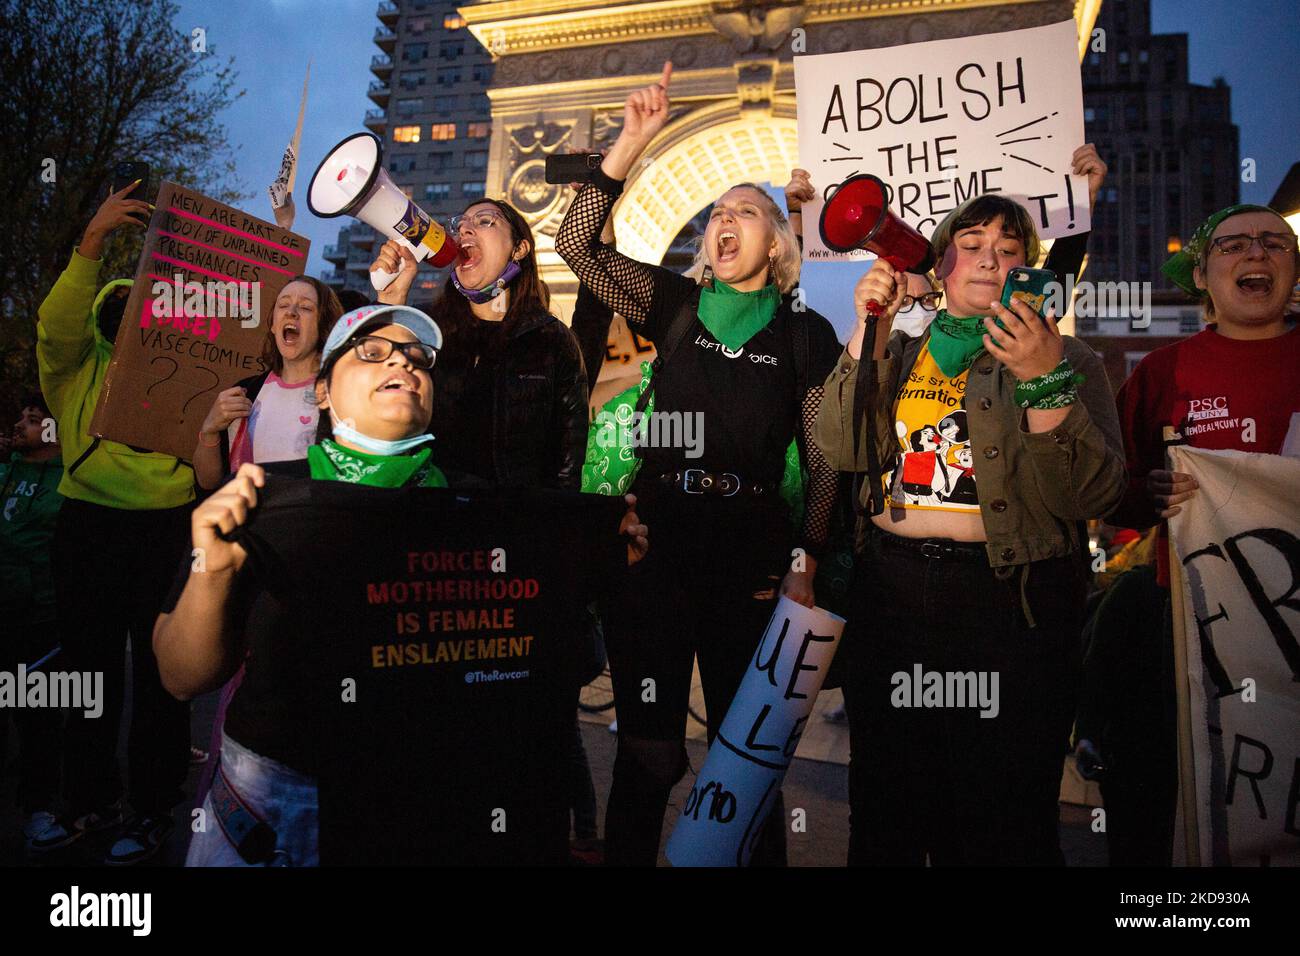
pixel 945 120
pixel 735 789
pixel 1238 544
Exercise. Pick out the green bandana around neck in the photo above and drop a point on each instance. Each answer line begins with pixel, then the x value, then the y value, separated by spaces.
pixel 955 341
pixel 733 318
pixel 1181 265
pixel 330 461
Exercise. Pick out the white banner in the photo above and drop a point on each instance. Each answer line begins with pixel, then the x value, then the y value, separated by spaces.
pixel 945 120
pixel 1238 544
pixel 741 776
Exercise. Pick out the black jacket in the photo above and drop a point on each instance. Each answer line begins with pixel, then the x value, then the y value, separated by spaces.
pixel 539 411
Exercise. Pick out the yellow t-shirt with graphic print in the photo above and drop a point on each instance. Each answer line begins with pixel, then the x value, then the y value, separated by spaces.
pixel 933 469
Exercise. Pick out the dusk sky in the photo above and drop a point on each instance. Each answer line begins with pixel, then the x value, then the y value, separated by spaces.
pixel 1253 44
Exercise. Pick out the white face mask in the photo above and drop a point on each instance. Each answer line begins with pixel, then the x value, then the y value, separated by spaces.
pixel 915 319
pixel 376 446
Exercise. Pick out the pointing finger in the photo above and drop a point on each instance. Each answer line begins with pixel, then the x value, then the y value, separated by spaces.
pixel 668 73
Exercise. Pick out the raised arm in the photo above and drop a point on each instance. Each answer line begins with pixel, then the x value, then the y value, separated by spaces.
pixel 641 293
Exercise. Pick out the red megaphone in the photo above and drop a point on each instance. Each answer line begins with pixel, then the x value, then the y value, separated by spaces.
pixel 856 216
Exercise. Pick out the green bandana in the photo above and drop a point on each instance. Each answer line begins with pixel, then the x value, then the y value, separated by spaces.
pixel 735 317
pixel 330 461
pixel 1181 264
pixel 954 342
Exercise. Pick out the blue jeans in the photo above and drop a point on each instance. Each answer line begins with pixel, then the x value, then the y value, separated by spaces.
pixel 284 798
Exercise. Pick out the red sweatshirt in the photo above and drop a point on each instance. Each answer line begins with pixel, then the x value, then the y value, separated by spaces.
pixel 1218 393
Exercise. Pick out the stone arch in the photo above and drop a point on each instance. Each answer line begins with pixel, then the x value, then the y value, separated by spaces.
pixel 695 160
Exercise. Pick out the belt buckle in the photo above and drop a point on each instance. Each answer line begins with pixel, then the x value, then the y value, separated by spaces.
pixel 735 482
pixel 932 549
pixel 686 480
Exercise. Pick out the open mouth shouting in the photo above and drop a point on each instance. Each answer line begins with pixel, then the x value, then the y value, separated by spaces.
pixel 470 256
pixel 290 333
pixel 1255 284
pixel 728 247
pixel 400 382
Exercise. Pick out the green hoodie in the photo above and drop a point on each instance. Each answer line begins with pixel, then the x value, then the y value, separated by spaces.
pixel 73 357
pixel 29 506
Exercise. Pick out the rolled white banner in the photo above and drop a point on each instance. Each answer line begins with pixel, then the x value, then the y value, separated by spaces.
pixel 735 789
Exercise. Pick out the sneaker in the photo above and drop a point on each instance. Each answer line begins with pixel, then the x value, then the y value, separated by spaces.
pixel 140 841
pixel 63 832
pixel 198 756
pixel 37 824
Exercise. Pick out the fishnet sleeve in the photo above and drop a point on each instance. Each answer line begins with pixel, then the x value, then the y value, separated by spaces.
pixel 823 483
pixel 634 290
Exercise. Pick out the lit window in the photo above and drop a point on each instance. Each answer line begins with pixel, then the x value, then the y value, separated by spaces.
pixel 1173 245
pixel 478 130
pixel 471 190
pixel 435 191
pixel 442 131
pixel 1089 114
pixel 406 134
pixel 453 21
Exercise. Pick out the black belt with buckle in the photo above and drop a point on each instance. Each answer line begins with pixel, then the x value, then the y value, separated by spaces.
pixel 697 481
pixel 935 548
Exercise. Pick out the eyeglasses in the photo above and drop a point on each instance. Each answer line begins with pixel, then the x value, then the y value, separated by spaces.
pixel 376 348
pixel 487 219
pixel 929 301
pixel 1273 243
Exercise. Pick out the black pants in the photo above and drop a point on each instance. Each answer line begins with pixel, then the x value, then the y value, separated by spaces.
pixel 40 729
pixel 694 595
pixel 112 569
pixel 943 781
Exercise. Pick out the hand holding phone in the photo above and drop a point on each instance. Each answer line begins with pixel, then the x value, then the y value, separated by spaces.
pixel 1030 286
pixel 562 169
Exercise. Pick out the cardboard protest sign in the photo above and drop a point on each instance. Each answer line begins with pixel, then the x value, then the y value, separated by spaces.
pixel 434 678
pixel 1237 543
pixel 737 786
pixel 624 353
pixel 196 319
pixel 945 120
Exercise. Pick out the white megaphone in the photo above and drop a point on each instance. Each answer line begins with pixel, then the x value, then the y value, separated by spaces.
pixel 351 180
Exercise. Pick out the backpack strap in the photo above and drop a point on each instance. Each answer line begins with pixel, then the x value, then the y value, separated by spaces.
pixel 681 324
pixel 864 390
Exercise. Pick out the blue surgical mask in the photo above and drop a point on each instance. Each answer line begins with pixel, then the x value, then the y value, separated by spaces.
pixel 376 446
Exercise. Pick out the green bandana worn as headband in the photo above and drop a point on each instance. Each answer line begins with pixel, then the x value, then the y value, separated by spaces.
pixel 1179 269
pixel 734 317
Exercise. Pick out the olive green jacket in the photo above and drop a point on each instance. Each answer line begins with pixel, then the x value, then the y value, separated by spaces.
pixel 1034 489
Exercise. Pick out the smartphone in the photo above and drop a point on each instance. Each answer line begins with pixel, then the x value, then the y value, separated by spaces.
pixel 127 172
pixel 1028 285
pixel 571 168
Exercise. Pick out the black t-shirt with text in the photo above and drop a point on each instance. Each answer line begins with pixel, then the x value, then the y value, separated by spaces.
pixel 413 650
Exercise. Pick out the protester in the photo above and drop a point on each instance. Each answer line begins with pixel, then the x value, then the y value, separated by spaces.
pixel 510 390
pixel 272 416
pixel 959 581
pixel 739 355
pixel 372 435
pixel 29 508
pixel 267 417
pixel 120 531
pixel 1233 384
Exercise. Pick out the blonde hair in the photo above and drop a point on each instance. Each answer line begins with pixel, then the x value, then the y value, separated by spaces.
pixel 788 259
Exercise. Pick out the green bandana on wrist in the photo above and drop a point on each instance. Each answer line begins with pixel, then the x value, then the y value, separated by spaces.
pixel 1054 389
pixel 955 342
pixel 1181 265
pixel 733 318
pixel 330 461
